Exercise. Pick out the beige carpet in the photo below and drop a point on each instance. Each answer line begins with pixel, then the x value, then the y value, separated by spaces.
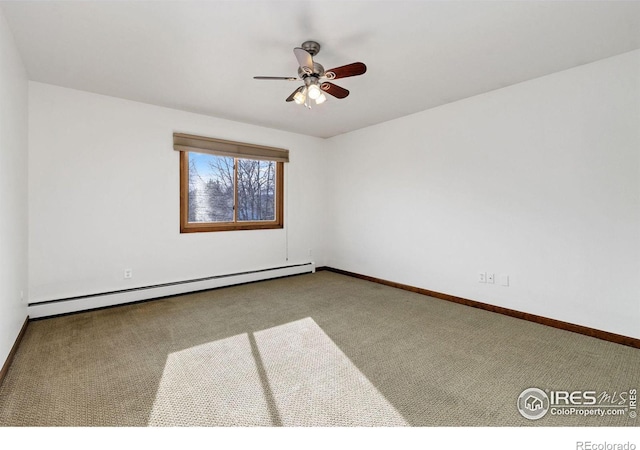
pixel 290 375
pixel 311 350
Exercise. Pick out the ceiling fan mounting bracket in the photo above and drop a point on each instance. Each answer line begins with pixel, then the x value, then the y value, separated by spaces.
pixel 311 47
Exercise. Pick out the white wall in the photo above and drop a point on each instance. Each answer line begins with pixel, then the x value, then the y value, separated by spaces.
pixel 13 191
pixel 540 181
pixel 104 196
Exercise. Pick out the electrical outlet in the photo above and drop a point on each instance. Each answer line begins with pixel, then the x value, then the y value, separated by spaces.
pixel 128 273
pixel 504 280
pixel 482 277
pixel 491 278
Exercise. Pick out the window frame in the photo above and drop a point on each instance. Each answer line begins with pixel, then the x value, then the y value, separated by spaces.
pixel 198 227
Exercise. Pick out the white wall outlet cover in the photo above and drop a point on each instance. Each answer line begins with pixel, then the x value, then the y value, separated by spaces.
pixel 504 280
pixel 482 277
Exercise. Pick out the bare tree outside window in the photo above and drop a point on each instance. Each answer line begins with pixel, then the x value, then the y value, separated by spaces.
pixel 256 190
pixel 219 189
pixel 212 189
pixel 193 191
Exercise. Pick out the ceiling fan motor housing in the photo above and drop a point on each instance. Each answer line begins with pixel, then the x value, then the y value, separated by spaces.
pixel 318 71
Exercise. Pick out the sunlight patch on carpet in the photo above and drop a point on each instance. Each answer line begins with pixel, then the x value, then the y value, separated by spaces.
pixel 291 375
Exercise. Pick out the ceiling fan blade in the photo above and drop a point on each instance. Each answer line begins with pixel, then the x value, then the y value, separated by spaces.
pixel 334 90
pixel 290 98
pixel 304 58
pixel 350 70
pixel 276 78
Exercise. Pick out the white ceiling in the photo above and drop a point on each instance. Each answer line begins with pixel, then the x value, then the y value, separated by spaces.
pixel 201 56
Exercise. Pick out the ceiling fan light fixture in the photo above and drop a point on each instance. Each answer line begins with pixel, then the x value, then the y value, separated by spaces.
pixel 314 92
pixel 321 99
pixel 300 96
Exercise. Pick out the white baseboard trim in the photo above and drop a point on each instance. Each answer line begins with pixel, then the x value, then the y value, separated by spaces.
pixel 105 299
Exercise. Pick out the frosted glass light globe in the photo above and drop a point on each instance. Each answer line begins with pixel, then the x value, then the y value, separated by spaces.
pixel 314 92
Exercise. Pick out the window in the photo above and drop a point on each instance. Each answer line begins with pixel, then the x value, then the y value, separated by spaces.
pixel 228 185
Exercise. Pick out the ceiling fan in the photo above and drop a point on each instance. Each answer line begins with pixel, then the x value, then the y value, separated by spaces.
pixel 315 77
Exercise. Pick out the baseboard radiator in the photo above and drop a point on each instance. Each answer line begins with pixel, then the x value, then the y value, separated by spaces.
pixel 68 305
